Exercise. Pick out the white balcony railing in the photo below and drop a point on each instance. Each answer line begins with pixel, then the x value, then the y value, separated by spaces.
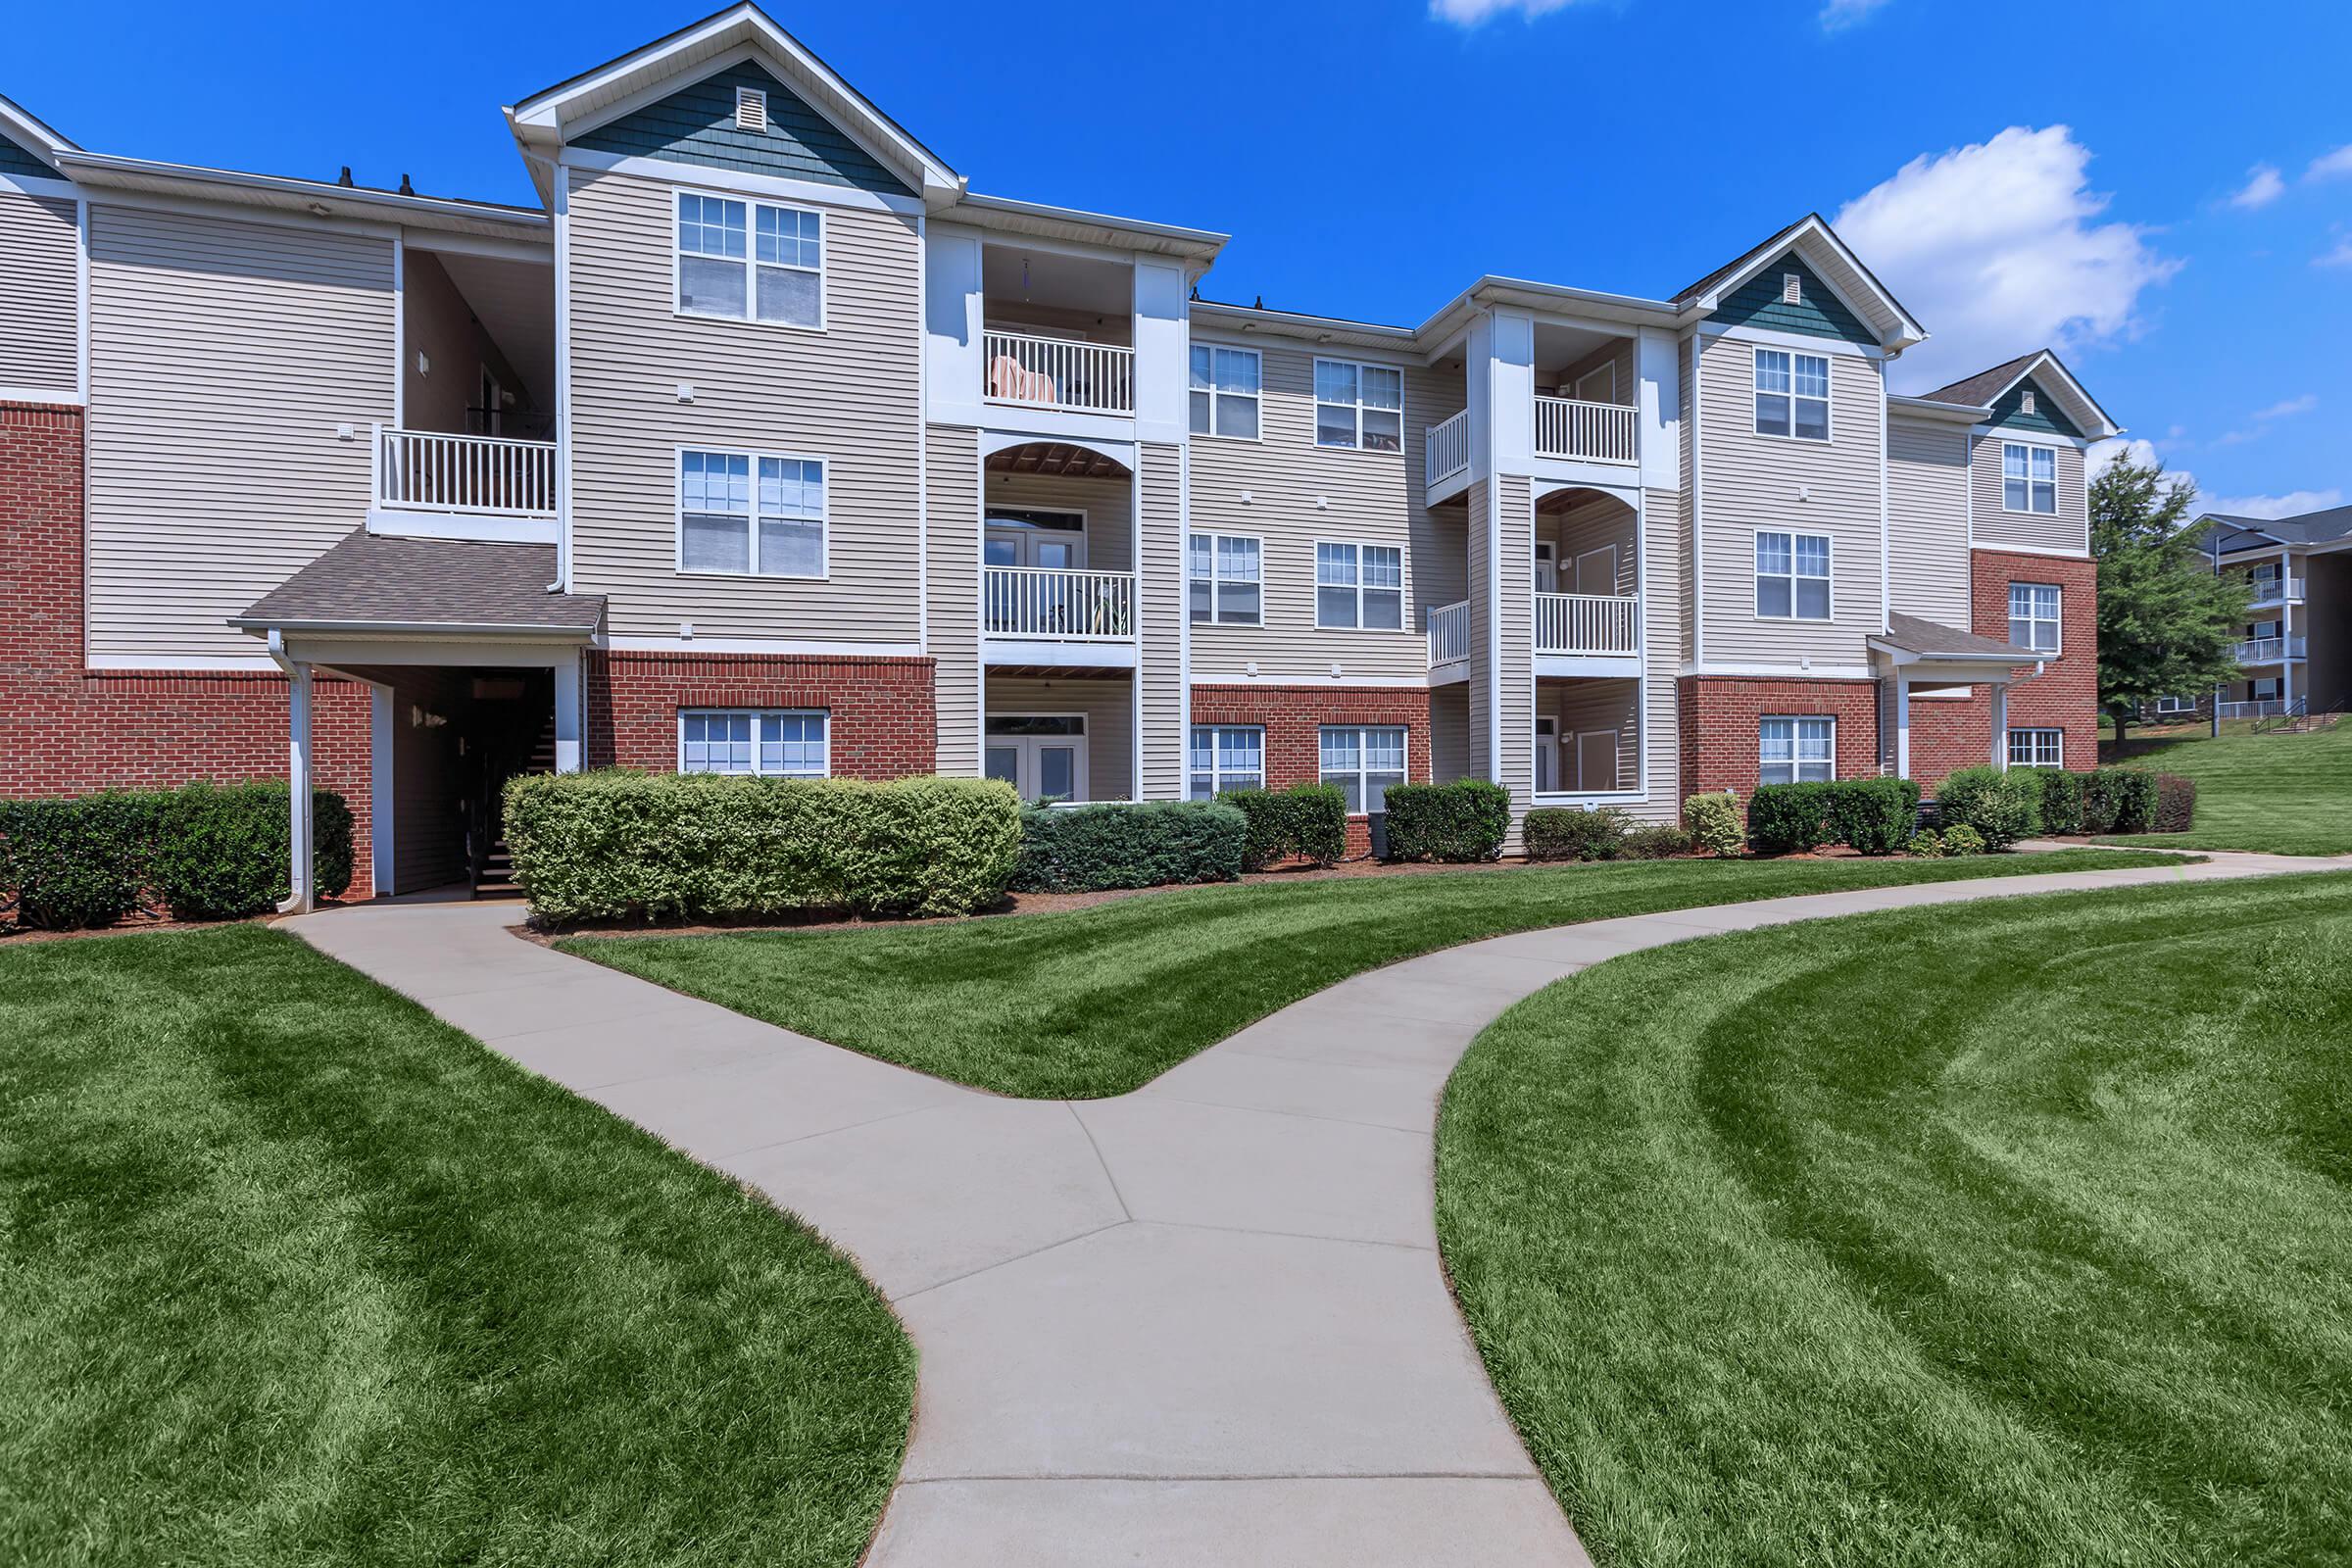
pixel 1586 624
pixel 1059 373
pixel 2269 650
pixel 1445 448
pixel 2277 590
pixel 2266 707
pixel 430 471
pixel 1043 602
pixel 1450 634
pixel 1592 433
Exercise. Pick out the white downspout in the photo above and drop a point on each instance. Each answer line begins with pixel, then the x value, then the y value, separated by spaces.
pixel 298 775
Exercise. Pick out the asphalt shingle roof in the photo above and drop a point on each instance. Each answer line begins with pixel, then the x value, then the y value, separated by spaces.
pixel 380 580
pixel 1935 640
pixel 1979 389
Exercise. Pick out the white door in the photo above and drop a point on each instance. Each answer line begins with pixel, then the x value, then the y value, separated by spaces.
pixel 1547 755
pixel 1596 571
pixel 1596 759
pixel 1043 756
pixel 1547 571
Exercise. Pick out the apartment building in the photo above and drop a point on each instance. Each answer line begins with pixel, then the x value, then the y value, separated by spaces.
pixel 764 443
pixel 2296 653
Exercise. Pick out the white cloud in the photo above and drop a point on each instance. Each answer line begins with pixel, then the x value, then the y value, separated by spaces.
pixel 2289 406
pixel 2342 255
pixel 2291 505
pixel 2332 166
pixel 1474 13
pixel 1997 248
pixel 2263 186
pixel 1841 13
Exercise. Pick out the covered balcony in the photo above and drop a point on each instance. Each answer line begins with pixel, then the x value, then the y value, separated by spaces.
pixel 2269 650
pixel 1585 408
pixel 1058 332
pixel 1586 611
pixel 1057 584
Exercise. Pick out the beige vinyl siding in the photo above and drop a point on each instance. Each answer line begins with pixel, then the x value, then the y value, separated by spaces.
pixel 1992 528
pixel 1619 356
pixel 1300 493
pixel 1602 524
pixel 954 535
pixel 223 353
pixel 1515 624
pixel 1108 705
pixel 1160 621
pixel 1664 633
pixel 1450 733
pixel 1752 483
pixel 1108 505
pixel 1926 526
pixel 40 294
pixel 1582 705
pixel 849 395
pixel 440 332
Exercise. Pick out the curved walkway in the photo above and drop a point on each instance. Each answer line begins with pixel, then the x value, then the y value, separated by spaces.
pixel 1202 1322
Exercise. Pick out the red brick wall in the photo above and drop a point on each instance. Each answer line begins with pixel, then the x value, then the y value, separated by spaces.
pixel 882 721
pixel 1950 735
pixel 1293 715
pixel 1717 721
pixel 1947 734
pixel 65 730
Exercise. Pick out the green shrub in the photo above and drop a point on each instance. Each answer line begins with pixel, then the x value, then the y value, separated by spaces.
pixel 1657 843
pixel 1788 818
pixel 2001 805
pixel 1961 839
pixel 1308 821
pixel 622 845
pixel 1925 845
pixel 1088 848
pixel 1461 821
pixel 221 850
pixel 1714 822
pixel 73 863
pixel 2176 803
pixel 2061 801
pixel 1875 815
pixel 2119 800
pixel 1572 833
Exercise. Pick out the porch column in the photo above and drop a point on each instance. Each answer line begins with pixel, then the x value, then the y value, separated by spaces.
pixel 567 715
pixel 2000 725
pixel 298 779
pixel 1903 726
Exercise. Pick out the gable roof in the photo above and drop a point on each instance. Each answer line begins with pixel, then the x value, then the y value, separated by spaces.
pixel 1928 639
pixel 2255 533
pixel 547 118
pixel 1812 238
pixel 385 582
pixel 41 145
pixel 1988 387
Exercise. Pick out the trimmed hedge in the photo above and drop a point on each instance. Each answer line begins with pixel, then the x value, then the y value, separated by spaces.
pixel 2001 805
pixel 2176 803
pixel 2119 800
pixel 1657 843
pixel 74 864
pixel 2061 802
pixel 616 844
pixel 1461 821
pixel 1572 833
pixel 1961 839
pixel 1308 821
pixel 1873 815
pixel 1714 822
pixel 1087 849
pixel 1788 818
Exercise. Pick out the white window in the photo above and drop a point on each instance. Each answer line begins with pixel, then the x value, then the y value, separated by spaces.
pixel 751 261
pixel 1363 761
pixel 1359 406
pixel 1224 391
pixel 1795 751
pixel 2265 689
pixel 1792 394
pixel 1792 576
pixel 1223 579
pixel 1227 756
pixel 1360 585
pixel 2176 705
pixel 2038 748
pixel 772 529
pixel 788 744
pixel 2029 479
pixel 2033 615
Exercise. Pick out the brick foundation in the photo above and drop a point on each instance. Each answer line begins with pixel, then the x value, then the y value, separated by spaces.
pixel 882 721
pixel 1293 715
pixel 1717 718
pixel 66 730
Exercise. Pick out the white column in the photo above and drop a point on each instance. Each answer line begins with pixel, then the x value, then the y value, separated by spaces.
pixel 567 715
pixel 298 779
pixel 1903 726
pixel 2000 726
pixel 381 738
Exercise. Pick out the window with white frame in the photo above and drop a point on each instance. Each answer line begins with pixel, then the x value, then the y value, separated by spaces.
pixel 2038 748
pixel 1224 391
pixel 1360 585
pixel 1359 406
pixel 749 515
pixel 751 261
pixel 2176 705
pixel 2029 479
pixel 1792 576
pixel 770 744
pixel 1792 394
pixel 2033 615
pixel 1227 756
pixel 1223 579
pixel 1363 761
pixel 1795 751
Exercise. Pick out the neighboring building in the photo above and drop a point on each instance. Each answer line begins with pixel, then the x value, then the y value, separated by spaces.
pixel 2297 647
pixel 765 444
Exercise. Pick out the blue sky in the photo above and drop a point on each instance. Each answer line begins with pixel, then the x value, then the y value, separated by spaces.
pixel 2087 174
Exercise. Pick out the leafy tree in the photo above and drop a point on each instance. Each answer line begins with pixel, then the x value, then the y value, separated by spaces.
pixel 2167 621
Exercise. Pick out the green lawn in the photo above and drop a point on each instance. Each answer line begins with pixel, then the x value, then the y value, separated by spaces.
pixel 291 1273
pixel 2287 794
pixel 2011 1233
pixel 1099 1001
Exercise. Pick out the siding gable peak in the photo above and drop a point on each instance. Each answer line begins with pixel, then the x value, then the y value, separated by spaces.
pixel 16 161
pixel 698 126
pixel 1762 302
pixel 2047 417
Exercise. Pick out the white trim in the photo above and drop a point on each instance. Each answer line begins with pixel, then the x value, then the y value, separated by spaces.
pixel 1185 578
pixel 1026 746
pixel 2000 548
pixel 1363 785
pixel 1811 228
pixel 475 527
pixel 453 242
pixel 400 340
pixel 1317 405
pixel 1828 399
pixel 2029 510
pixel 1757 575
pixel 1803 342
pixel 754 714
pixel 922 459
pixel 81 303
pixel 39 185
pixel 1004 651
pixel 751 263
pixel 563 442
pixel 258 663
pixel 1783 672
pixel 1359 546
pixel 1694 425
pixel 677 479
pixel 2058 621
pixel 1258 397
pixel 993 440
pixel 1886 524
pixel 762 645
pixel 2015 730
pixel 1796 761
pixel 40 394
pixel 1216 774
pixel 384 228
pixel 382 781
pixel 1322 677
pixel 2029 438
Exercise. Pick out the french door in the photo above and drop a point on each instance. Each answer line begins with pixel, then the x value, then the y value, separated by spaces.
pixel 1041 755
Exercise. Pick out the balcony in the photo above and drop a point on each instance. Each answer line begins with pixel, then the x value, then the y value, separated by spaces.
pixel 1570 626
pixel 1064 375
pixel 437 484
pixel 1450 634
pixel 1046 616
pixel 2269 650
pixel 1587 432
pixel 1446 449
pixel 2277 591
pixel 2266 708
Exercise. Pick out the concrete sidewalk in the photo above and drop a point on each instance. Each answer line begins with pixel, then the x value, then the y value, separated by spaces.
pixel 1203 1322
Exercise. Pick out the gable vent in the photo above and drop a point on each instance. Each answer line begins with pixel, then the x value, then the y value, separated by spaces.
pixel 2024 405
pixel 751 108
pixel 1792 289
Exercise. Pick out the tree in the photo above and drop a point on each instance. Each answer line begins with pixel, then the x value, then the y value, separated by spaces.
pixel 2168 623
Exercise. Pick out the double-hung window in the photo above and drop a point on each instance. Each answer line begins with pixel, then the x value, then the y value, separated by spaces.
pixel 1360 585
pixel 1795 751
pixel 1792 576
pixel 776 744
pixel 1224 391
pixel 2029 479
pixel 1363 761
pixel 1222 579
pixel 1359 406
pixel 751 261
pixel 1792 394
pixel 1227 756
pixel 2033 615
pixel 2038 748
pixel 753 516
